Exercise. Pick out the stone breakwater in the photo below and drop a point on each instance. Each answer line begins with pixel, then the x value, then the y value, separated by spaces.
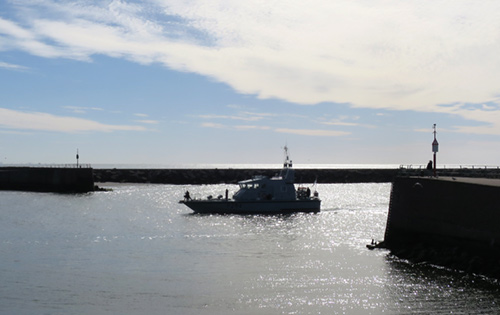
pixel 447 221
pixel 47 179
pixel 232 176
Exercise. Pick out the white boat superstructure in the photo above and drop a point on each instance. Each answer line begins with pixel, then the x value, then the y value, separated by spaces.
pixel 262 194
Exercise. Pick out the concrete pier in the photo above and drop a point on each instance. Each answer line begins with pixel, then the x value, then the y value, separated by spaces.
pixel 47 179
pixel 449 221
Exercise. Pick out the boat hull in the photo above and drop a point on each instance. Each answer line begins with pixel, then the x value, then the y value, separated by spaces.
pixel 253 207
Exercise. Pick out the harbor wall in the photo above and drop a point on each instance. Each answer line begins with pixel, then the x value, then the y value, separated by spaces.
pixel 446 221
pixel 309 175
pixel 46 179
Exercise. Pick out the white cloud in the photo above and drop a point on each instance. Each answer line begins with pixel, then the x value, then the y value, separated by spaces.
pixel 378 54
pixel 235 127
pixel 251 127
pixel 313 132
pixel 241 117
pixel 10 66
pixel 81 110
pixel 345 121
pixel 147 121
pixel 340 123
pixel 213 125
pixel 19 120
pixel 301 132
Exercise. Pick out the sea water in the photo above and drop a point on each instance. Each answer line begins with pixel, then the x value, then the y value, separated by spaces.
pixel 136 250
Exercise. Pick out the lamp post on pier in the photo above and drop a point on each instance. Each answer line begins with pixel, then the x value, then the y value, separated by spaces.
pixel 435 148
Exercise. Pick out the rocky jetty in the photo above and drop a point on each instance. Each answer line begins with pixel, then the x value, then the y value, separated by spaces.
pixel 232 176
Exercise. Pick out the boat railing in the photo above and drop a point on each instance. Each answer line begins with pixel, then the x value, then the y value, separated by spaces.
pixel 259 177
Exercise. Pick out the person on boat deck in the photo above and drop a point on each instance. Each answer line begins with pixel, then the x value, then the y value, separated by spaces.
pixel 187 196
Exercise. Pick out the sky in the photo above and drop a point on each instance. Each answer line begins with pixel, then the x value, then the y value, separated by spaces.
pixel 176 82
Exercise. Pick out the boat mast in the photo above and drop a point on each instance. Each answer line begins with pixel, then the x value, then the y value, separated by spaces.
pixel 287 172
pixel 288 162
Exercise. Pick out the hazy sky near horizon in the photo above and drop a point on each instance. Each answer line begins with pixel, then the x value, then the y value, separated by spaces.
pixel 189 81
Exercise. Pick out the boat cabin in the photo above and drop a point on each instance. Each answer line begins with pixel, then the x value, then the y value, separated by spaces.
pixel 264 188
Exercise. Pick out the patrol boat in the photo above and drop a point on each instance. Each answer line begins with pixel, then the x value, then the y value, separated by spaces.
pixel 261 195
